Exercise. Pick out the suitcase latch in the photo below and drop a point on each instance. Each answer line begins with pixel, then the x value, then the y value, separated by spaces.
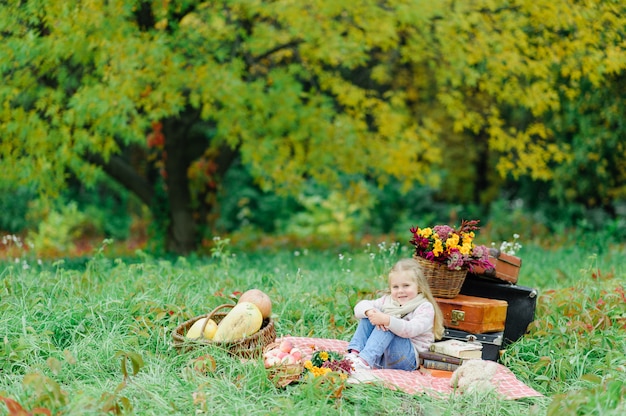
pixel 457 316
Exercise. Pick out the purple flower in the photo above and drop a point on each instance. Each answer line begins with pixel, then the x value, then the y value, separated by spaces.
pixel 422 242
pixel 480 252
pixel 443 231
pixel 343 366
pixel 455 260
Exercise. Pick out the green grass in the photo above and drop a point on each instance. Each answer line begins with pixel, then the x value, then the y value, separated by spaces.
pixel 66 328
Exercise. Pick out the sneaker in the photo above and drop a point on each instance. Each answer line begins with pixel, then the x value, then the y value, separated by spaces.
pixel 362 376
pixel 352 357
pixel 358 363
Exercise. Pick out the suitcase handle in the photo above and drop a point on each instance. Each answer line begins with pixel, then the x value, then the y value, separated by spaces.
pixel 473 338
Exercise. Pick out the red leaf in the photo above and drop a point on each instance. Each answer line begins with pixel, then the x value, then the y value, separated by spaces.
pixel 16 409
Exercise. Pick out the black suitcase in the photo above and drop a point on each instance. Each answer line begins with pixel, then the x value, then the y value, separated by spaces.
pixel 522 302
pixel 492 341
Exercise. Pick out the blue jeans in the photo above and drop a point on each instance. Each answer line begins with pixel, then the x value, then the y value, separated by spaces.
pixel 382 349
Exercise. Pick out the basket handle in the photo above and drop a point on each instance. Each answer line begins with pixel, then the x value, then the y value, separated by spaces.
pixel 213 312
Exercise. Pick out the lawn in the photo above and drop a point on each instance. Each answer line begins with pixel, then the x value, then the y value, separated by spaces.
pixel 94 336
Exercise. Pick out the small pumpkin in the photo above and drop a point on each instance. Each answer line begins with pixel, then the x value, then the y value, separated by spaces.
pixel 260 299
pixel 195 332
pixel 242 321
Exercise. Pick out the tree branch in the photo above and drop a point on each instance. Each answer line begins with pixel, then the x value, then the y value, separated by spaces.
pixel 276 49
pixel 120 170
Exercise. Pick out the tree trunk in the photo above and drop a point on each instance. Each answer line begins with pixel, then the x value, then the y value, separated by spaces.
pixel 481 182
pixel 181 232
pixel 185 140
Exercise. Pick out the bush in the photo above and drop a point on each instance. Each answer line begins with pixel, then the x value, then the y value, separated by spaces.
pixel 14 201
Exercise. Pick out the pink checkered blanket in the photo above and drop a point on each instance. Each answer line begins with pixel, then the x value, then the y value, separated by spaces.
pixel 415 381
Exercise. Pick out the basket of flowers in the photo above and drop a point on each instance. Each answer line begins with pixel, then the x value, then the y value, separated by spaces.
pixel 447 254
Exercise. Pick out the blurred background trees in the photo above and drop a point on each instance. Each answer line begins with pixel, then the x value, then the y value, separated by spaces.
pixel 186 119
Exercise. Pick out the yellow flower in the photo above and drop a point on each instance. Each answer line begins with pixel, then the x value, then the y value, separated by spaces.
pixel 453 241
pixel 308 365
pixel 319 371
pixel 426 232
pixel 437 247
pixel 324 356
pixel 467 237
pixel 466 248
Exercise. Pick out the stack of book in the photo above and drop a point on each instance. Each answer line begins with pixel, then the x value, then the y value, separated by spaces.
pixel 448 355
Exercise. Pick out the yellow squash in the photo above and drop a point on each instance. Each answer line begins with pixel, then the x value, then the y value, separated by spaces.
pixel 243 320
pixel 195 331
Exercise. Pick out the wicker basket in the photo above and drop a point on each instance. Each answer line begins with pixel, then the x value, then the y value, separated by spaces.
pixel 443 282
pixel 247 347
pixel 284 374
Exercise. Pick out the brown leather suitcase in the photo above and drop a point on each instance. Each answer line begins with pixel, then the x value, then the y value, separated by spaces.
pixel 506 268
pixel 473 314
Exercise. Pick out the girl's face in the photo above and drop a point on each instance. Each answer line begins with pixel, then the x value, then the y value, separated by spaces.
pixel 403 287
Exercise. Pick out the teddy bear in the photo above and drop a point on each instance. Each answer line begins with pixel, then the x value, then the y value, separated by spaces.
pixel 474 376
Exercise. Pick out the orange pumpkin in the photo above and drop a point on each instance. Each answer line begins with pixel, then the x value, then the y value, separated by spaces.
pixel 260 299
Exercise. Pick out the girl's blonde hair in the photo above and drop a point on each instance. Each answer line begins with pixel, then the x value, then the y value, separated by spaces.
pixel 413 268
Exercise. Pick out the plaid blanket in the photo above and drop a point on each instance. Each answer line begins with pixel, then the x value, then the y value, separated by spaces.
pixel 415 381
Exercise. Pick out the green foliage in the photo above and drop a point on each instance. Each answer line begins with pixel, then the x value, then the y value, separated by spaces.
pixel 241 203
pixel 396 211
pixel 103 211
pixel 108 207
pixel 60 229
pixel 585 324
pixel 333 216
pixel 592 124
pixel 221 252
pixel 508 217
pixel 602 398
pixel 14 206
pixel 160 220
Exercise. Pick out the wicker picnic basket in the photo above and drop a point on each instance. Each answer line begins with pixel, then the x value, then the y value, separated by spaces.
pixel 443 282
pixel 247 347
pixel 283 374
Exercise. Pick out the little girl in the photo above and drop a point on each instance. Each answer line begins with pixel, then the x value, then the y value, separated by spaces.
pixel 394 328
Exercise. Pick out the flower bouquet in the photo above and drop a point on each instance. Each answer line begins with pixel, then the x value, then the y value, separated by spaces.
pixel 325 362
pixel 328 371
pixel 446 254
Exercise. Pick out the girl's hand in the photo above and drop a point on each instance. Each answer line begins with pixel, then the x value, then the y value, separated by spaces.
pixel 376 317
